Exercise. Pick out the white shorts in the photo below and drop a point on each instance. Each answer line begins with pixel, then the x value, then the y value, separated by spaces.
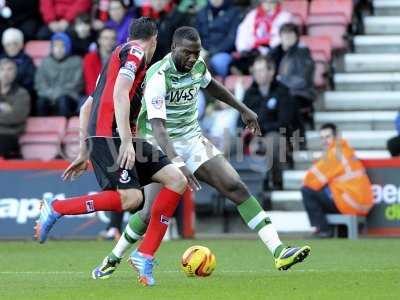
pixel 195 151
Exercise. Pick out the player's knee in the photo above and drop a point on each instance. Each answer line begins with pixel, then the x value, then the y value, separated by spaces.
pixel 176 181
pixel 236 188
pixel 131 199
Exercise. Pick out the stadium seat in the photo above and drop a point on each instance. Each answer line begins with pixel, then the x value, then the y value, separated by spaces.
pixel 298 8
pixel 325 8
pixel 71 138
pixel 320 74
pixel 37 50
pixel 230 82
pixel 42 137
pixel 330 18
pixel 320 47
pixel 321 52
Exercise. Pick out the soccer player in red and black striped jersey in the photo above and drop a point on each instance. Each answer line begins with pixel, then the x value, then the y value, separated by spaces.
pixel 122 164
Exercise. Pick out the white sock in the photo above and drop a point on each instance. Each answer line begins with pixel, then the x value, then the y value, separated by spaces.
pixel 121 247
pixel 123 244
pixel 270 237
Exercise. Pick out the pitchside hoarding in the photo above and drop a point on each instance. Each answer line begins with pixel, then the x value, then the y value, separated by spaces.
pixel 22 186
pixel 384 218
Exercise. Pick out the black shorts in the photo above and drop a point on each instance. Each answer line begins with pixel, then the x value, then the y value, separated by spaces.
pixel 103 155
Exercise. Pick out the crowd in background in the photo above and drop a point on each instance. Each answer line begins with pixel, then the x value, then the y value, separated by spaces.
pixel 238 37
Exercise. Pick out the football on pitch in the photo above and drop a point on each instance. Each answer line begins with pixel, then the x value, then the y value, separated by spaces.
pixel 198 261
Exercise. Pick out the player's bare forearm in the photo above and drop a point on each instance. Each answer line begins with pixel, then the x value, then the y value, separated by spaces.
pixel 161 135
pixel 219 92
pixel 84 115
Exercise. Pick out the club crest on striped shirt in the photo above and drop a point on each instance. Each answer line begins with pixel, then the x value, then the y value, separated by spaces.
pixel 164 220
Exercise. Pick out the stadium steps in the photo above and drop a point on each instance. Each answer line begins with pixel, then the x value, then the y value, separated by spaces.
pixel 387 7
pixel 359 139
pixel 367 81
pixel 381 25
pixel 377 43
pixel 358 120
pixel 372 62
pixel 361 100
pixel 293 179
pixel 303 159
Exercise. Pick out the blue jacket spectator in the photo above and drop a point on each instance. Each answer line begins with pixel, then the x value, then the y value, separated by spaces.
pixel 13 44
pixel 120 19
pixel 59 79
pixel 217 24
pixel 393 144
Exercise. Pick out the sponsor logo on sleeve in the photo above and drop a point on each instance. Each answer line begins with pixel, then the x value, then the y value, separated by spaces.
pixel 136 51
pixel 131 66
pixel 157 102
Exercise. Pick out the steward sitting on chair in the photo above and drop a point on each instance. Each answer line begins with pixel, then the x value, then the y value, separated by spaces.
pixel 336 183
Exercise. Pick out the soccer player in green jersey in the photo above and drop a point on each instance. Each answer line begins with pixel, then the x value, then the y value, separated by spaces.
pixel 169 117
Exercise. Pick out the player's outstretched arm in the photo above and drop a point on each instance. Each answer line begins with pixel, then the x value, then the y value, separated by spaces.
pixel 249 117
pixel 161 135
pixel 80 164
pixel 126 155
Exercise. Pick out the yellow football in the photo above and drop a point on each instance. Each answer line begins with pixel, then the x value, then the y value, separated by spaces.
pixel 198 261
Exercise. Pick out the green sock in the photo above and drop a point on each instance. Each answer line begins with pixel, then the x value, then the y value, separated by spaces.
pixel 133 232
pixel 135 228
pixel 253 214
pixel 256 218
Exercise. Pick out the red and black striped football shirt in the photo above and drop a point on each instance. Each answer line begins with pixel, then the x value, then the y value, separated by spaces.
pixel 128 59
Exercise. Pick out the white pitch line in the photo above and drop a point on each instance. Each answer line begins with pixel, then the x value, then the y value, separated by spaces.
pixel 176 271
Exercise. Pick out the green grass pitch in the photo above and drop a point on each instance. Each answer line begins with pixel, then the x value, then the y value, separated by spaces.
pixel 336 269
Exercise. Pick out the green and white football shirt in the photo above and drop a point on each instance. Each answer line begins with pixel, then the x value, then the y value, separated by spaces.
pixel 172 96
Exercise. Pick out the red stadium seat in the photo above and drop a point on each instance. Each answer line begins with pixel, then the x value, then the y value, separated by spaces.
pixel 325 8
pixel 320 47
pixel 320 72
pixel 330 18
pixel 230 82
pixel 298 8
pixel 335 32
pixel 37 50
pixel 42 137
pixel 71 138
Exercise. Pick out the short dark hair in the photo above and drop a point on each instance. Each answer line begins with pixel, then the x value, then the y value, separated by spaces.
pixel 142 29
pixel 83 18
pixel 185 33
pixel 330 126
pixel 268 59
pixel 105 29
pixel 290 27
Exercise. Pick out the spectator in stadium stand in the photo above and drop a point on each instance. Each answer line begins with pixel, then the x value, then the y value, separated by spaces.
pixel 271 100
pixel 336 183
pixel 21 14
pixel 120 18
pixel 13 44
pixel 168 17
pixel 393 144
pixel 14 109
pixel 59 80
pixel 95 60
pixel 259 31
pixel 59 14
pixel 217 24
pixel 82 36
pixel 295 68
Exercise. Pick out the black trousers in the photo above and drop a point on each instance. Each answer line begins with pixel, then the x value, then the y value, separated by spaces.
pixel 9 147
pixel 393 146
pixel 318 204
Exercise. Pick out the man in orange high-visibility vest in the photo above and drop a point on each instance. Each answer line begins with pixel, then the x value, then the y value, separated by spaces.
pixel 336 183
